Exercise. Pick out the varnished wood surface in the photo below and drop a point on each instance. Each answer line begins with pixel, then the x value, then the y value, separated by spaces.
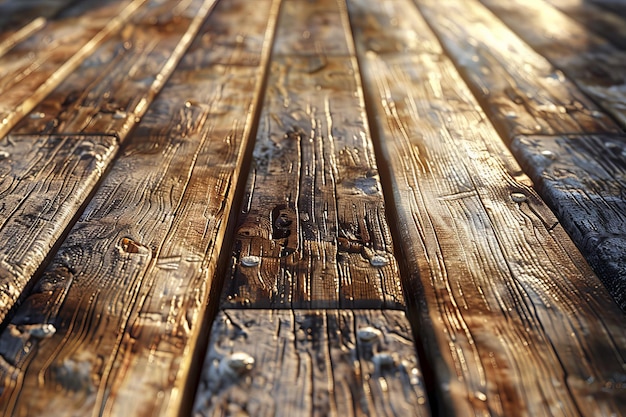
pixel 344 204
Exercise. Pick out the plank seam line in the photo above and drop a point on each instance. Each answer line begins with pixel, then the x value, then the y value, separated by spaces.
pixel 412 311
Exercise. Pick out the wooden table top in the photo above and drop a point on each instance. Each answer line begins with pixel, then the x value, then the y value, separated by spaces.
pixel 298 207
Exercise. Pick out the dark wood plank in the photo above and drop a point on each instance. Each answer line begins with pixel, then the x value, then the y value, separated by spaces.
pixel 113 88
pixel 24 196
pixel 313 233
pixel 43 182
pixel 592 62
pixel 584 179
pixel 18 18
pixel 519 90
pixel 34 67
pixel 511 317
pixel 609 25
pixel 317 363
pixel 121 306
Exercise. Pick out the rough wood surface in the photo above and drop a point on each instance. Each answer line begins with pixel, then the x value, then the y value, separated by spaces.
pixel 584 179
pixel 34 67
pixel 43 182
pixel 592 62
pixel 112 326
pixel 35 164
pixel 512 319
pixel 20 18
pixel 313 233
pixel 519 90
pixel 113 88
pixel 315 363
pixel 595 18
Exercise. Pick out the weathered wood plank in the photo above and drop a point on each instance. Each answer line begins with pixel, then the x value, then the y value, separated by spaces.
pixel 20 18
pixel 593 17
pixel 317 363
pixel 519 90
pixel 596 66
pixel 312 233
pixel 40 233
pixel 121 306
pixel 34 67
pixel 512 319
pixel 43 182
pixel 113 88
pixel 584 179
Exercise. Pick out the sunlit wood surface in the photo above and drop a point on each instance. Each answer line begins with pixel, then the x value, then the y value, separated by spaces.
pixel 298 207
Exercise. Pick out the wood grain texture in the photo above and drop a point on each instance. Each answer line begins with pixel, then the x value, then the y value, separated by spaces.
pixel 313 233
pixel 34 67
pixel 20 18
pixel 583 178
pixel 512 319
pixel 112 326
pixel 113 88
pixel 43 182
pixel 311 362
pixel 518 89
pixel 596 66
pixel 593 17
pixel 39 212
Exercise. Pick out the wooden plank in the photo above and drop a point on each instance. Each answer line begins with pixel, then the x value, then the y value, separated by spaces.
pixel 43 182
pixel 311 362
pixel 40 233
pixel 517 88
pixel 113 88
pixel 592 62
pixel 583 178
pixel 123 302
pixel 20 17
pixel 511 317
pixel 609 25
pixel 313 233
pixel 34 67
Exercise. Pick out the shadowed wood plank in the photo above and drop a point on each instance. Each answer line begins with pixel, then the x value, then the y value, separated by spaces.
pixel 595 65
pixel 34 67
pixel 313 233
pixel 112 326
pixel 584 179
pixel 21 18
pixel 512 319
pixel 617 6
pixel 43 182
pixel 24 197
pixel 311 362
pixel 114 86
pixel 519 90
pixel 609 25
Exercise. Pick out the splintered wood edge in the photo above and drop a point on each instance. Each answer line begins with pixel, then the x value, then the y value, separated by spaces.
pixel 304 362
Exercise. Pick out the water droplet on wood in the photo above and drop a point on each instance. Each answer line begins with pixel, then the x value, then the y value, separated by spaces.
pixel 379 260
pixel 518 197
pixel 236 364
pixel 119 114
pixel 368 334
pixel 250 260
pixel 383 361
pixel 480 396
pixel 548 154
pixel 37 115
pixel 4 155
pixel 40 331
